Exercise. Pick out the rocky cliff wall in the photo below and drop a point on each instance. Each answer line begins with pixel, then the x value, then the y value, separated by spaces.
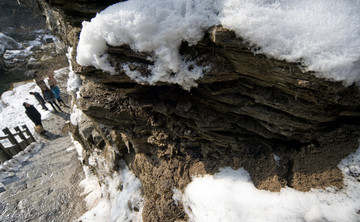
pixel 285 127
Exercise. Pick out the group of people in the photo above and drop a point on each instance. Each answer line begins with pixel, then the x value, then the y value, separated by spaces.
pixel 48 96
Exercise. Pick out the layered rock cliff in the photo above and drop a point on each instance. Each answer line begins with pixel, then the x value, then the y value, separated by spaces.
pixel 284 126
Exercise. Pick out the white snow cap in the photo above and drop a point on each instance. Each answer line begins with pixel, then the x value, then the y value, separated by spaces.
pixel 323 35
pixel 158 27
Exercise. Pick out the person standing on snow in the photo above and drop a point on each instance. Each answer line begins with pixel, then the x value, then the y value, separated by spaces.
pixel 56 92
pixel 39 98
pixel 33 114
pixel 50 98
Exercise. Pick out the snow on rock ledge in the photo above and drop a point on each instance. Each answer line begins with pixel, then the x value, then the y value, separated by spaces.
pixel 322 35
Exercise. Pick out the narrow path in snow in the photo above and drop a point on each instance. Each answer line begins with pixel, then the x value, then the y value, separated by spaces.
pixel 45 186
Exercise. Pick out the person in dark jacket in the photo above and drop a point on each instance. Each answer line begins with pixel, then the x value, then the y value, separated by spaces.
pixel 39 98
pixel 33 114
pixel 50 98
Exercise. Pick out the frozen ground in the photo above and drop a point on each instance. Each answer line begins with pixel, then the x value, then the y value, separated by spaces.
pixel 44 185
pixel 42 182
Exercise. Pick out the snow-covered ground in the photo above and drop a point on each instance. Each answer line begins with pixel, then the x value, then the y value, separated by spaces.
pixel 13 112
pixel 322 35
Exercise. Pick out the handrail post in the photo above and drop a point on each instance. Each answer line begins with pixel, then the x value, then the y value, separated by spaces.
pixel 10 136
pixel 17 146
pixel 28 132
pixel 6 152
pixel 21 135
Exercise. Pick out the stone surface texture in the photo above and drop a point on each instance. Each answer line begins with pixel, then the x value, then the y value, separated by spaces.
pixel 247 110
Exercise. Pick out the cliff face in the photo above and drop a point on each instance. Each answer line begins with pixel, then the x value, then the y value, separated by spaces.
pixel 285 127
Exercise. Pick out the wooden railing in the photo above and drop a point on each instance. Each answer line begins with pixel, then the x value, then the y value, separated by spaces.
pixel 7 153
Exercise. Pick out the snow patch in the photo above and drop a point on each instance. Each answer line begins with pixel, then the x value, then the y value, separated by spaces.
pixel 76 116
pixel 61 72
pixel 177 196
pixel 17 54
pixel 14 164
pixel 91 187
pixel 119 199
pixel 7 42
pixel 277 159
pixel 74 81
pixel 231 196
pixel 80 151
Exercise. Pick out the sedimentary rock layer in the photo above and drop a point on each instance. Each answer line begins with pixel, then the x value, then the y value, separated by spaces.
pixel 284 126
